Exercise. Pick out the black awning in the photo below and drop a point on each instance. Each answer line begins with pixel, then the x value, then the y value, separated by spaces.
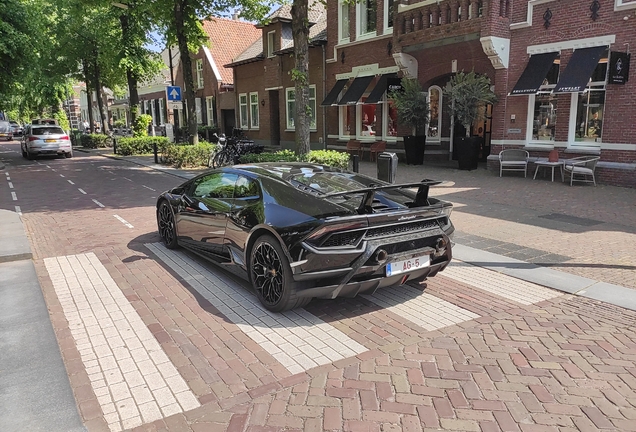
pixel 579 69
pixel 334 93
pixel 355 91
pixel 532 77
pixel 379 89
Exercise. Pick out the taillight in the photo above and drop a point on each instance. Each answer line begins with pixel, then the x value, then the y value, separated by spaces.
pixel 65 137
pixel 32 138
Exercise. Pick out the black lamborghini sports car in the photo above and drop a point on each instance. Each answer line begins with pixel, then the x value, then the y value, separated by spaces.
pixel 298 231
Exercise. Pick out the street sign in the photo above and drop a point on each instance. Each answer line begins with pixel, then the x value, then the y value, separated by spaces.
pixel 173 93
pixel 175 105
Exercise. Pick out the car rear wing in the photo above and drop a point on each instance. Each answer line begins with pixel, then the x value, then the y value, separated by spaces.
pixel 421 196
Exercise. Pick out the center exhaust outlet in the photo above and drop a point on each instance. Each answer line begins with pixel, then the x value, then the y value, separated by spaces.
pixel 380 256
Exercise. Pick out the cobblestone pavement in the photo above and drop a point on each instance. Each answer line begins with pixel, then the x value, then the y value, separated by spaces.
pixel 154 339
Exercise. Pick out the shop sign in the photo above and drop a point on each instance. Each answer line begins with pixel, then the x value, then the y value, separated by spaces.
pixel 393 85
pixel 619 68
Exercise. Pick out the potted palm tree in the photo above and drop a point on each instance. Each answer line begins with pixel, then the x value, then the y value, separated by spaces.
pixel 412 111
pixel 468 93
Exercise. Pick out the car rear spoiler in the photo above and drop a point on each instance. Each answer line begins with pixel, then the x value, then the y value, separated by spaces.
pixel 369 193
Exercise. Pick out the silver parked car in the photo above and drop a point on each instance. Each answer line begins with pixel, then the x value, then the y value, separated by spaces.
pixel 6 132
pixel 42 139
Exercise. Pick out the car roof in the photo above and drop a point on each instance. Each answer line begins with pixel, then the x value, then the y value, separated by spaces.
pixel 282 170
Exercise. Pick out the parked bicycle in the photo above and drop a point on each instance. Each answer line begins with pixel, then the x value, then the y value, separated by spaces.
pixel 229 150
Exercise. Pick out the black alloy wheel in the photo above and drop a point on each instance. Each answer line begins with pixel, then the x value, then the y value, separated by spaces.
pixel 272 278
pixel 165 222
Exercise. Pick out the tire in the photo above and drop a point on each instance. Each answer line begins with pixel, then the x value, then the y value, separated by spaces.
pixel 166 226
pixel 24 154
pixel 29 156
pixel 221 159
pixel 68 155
pixel 271 276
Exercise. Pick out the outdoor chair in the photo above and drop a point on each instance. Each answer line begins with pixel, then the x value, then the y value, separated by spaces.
pixel 581 169
pixel 355 147
pixel 513 160
pixel 375 149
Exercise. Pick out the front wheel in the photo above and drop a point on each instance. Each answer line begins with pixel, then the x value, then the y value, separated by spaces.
pixel 166 225
pixel 272 278
pixel 221 159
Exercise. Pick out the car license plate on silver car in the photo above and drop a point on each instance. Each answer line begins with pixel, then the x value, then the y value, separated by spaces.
pixel 407 265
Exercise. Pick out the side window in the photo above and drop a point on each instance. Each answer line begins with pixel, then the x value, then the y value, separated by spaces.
pixel 245 187
pixel 216 185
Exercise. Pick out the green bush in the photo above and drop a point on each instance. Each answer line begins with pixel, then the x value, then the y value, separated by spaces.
pixel 182 156
pixel 140 145
pixel 94 141
pixel 140 128
pixel 119 124
pixel 331 158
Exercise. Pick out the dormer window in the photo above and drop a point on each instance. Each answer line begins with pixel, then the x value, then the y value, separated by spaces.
pixel 270 43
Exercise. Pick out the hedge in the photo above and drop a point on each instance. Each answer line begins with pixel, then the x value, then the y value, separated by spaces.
pixel 93 141
pixel 140 145
pixel 182 156
pixel 331 158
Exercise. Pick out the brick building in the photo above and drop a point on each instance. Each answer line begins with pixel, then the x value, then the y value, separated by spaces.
pixel 264 88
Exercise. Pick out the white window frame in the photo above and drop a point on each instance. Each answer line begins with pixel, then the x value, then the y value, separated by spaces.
pixel 270 43
pixel 199 69
pixel 359 119
pixel 438 139
pixel 209 103
pixel 360 11
pixel 385 120
pixel 243 117
pixel 342 117
pixel 198 110
pixel 162 107
pixel 343 30
pixel 386 13
pixel 145 107
pixel 153 114
pixel 289 116
pixel 254 116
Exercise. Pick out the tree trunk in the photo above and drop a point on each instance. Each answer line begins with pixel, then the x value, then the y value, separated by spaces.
pixel 300 75
pixel 89 96
pixel 188 80
pixel 98 90
pixel 133 98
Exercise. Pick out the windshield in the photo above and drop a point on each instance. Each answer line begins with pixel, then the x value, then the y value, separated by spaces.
pixel 49 130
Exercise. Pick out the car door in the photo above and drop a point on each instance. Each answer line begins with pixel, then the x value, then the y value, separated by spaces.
pixel 247 212
pixel 206 206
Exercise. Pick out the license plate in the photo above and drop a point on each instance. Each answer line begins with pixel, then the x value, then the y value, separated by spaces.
pixel 50 140
pixel 1 134
pixel 407 265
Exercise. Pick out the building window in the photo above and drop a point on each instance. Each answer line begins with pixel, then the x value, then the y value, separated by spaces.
pixel 290 96
pixel 388 16
pixel 345 120
pixel 435 118
pixel 243 111
pixel 254 110
pixel 368 16
pixel 152 112
pixel 199 112
pixel 544 117
pixel 199 73
pixel 270 44
pixel 366 119
pixel 590 106
pixel 343 22
pixel 145 107
pixel 389 120
pixel 162 110
pixel 209 102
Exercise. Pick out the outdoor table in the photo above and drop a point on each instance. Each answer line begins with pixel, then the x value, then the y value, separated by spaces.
pixel 548 164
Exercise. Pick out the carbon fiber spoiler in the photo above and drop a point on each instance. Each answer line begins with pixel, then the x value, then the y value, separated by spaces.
pixel 369 193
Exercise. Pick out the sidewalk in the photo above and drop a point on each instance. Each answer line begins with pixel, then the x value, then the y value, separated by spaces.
pixel 578 240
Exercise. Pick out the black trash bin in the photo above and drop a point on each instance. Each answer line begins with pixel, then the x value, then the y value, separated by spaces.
pixel 467 151
pixel 387 166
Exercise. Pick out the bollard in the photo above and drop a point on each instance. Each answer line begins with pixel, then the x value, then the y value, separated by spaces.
pixel 114 145
pixel 154 149
pixel 356 163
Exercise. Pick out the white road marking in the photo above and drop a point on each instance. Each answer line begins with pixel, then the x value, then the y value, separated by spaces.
pixel 122 358
pixel 498 283
pixel 14 196
pixel 98 203
pixel 8 178
pixel 18 210
pixel 7 174
pixel 10 185
pixel 423 309
pixel 70 182
pixel 128 179
pixel 54 170
pixel 154 190
pixel 122 220
pixel 297 339
pixel 48 166
pixel 61 175
pixel 82 190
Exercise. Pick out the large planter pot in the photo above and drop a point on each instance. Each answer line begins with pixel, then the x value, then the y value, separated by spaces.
pixel 467 151
pixel 414 149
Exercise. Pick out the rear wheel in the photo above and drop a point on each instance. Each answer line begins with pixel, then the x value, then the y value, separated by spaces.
pixel 29 156
pixel 68 155
pixel 272 278
pixel 166 225
pixel 222 159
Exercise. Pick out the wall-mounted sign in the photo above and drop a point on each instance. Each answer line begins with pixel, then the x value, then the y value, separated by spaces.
pixel 514 131
pixel 619 68
pixel 393 85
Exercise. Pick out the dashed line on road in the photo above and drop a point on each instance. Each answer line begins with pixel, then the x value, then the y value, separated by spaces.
pixel 82 190
pixel 10 185
pixel 18 210
pixel 48 166
pixel 154 190
pixel 98 203
pixel 127 179
pixel 297 339
pixel 122 358
pixel 61 175
pixel 14 196
pixel 70 182
pixel 122 220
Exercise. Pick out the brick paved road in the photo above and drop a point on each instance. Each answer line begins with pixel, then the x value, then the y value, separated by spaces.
pixel 148 335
